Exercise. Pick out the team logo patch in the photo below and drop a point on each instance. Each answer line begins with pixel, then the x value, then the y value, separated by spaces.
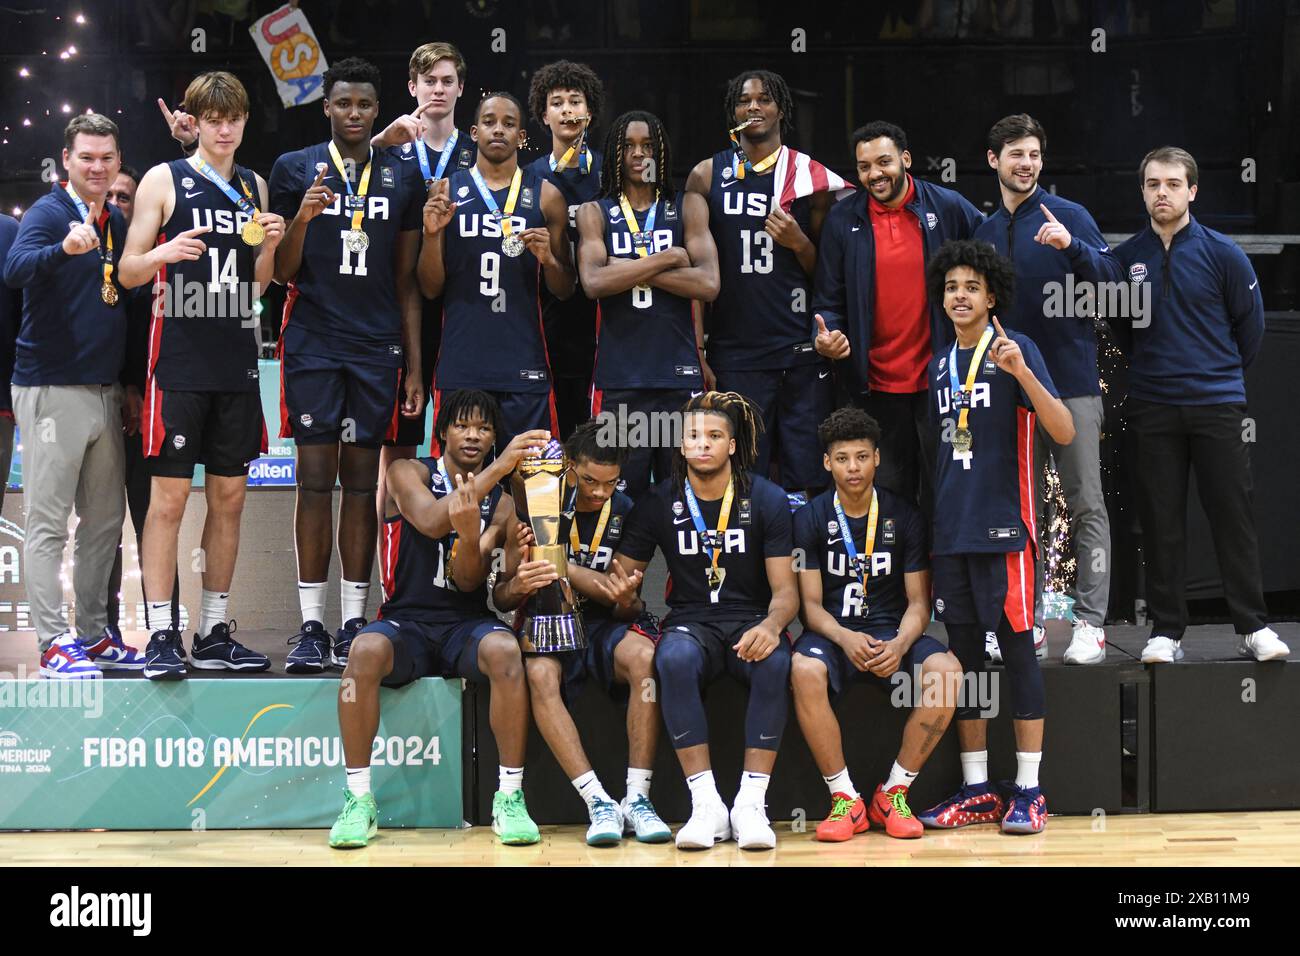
pixel 615 526
pixel 938 605
pixel 931 220
pixel 943 362
pixel 306 420
pixel 832 527
pixel 677 508
pixel 463 161
pixel 670 210
pixel 187 182
pixel 526 198
pixel 178 442
pixel 744 511
pixel 815 650
pixel 622 485
pixel 386 178
pixel 1137 272
pixel 462 192
pixel 726 172
pixel 614 213
pixel 888 531
pixel 406 147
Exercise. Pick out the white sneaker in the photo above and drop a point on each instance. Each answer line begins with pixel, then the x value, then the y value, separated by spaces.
pixel 1040 642
pixel 639 817
pixel 606 824
pixel 709 824
pixel 1162 650
pixel 1088 646
pixel 753 831
pixel 1263 645
pixel 991 649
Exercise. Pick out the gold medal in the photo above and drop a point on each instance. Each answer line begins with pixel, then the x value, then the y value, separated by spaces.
pixel 253 233
pixel 108 292
pixel 716 576
pixel 962 439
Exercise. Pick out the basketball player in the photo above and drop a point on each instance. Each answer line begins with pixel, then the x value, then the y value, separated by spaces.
pixel 349 258
pixel 202 230
pixel 620 641
pixel 444 519
pixel 726 536
pixel 646 252
pixel 567 98
pixel 865 584
pixel 489 232
pixel 766 208
pixel 429 139
pixel 989 391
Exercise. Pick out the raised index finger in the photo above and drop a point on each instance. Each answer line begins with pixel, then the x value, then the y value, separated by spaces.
pixel 420 109
pixel 1047 212
pixel 167 114
pixel 997 327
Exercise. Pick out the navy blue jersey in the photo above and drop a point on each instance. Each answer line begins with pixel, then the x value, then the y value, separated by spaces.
pixel 610 539
pixel 203 336
pixel 984 498
pixel 900 548
pixel 758 528
pixel 491 326
pixel 413 567
pixel 574 185
pixel 645 338
pixel 760 319
pixel 344 304
pixel 465 154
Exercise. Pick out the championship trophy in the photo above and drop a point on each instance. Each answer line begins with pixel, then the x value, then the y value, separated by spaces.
pixel 549 622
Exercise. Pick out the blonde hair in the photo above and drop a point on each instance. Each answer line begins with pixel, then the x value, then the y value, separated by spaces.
pixel 218 94
pixel 427 56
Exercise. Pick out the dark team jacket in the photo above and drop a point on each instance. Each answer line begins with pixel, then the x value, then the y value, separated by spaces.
pixel 68 335
pixel 599 559
pixel 845 295
pixel 1206 321
pixel 1069 345
pixel 900 548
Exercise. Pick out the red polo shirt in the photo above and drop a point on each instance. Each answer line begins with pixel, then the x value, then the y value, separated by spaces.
pixel 900 334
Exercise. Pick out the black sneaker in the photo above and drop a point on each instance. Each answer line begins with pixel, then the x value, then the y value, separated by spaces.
pixel 220 651
pixel 312 646
pixel 162 657
pixel 343 641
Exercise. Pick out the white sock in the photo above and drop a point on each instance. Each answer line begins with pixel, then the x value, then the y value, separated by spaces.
pixel 358 780
pixel 638 783
pixel 354 595
pixel 840 783
pixel 753 789
pixel 311 598
pixel 213 610
pixel 1027 769
pixel 510 779
pixel 703 788
pixel 589 788
pixel 158 615
pixel 65 639
pixel 975 767
pixel 899 776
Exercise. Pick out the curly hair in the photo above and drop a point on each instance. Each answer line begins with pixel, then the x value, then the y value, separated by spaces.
pixel 746 425
pixel 773 85
pixel 848 424
pixel 611 172
pixel 565 75
pixel 352 70
pixel 997 270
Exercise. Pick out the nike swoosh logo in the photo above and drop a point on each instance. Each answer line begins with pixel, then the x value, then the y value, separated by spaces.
pixel 854 228
pixel 1253 284
pixel 767 736
pixel 407 156
pixel 681 735
pixel 856 817
pixel 465 202
pixel 192 195
pixel 822 374
pixel 729 184
pixel 834 540
pixel 680 520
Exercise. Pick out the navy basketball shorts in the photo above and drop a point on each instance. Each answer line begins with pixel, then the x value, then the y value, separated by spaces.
pixel 328 400
pixel 840 670
pixel 223 431
pixel 435 650
pixel 641 420
pixel 595 662
pixel 983 588
pixel 520 412
pixel 793 401
pixel 410 431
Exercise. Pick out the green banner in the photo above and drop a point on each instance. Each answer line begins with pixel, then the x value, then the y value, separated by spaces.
pixel 218 754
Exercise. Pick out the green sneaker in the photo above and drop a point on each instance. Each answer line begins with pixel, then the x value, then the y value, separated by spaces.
pixel 358 822
pixel 510 819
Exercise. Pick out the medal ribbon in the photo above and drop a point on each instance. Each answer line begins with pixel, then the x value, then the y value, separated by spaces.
pixel 422 151
pixel 575 542
pixel 106 256
pixel 244 202
pixel 584 159
pixel 642 248
pixel 964 415
pixel 741 164
pixel 868 545
pixel 362 188
pixel 511 198
pixel 706 536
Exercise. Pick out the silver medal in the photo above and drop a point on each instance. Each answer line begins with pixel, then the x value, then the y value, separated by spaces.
pixel 357 241
pixel 512 246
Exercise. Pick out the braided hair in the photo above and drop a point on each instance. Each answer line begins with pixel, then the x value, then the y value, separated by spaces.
pixel 746 424
pixel 773 85
pixel 611 174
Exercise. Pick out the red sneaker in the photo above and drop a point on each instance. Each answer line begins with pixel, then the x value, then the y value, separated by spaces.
pixel 889 809
pixel 848 816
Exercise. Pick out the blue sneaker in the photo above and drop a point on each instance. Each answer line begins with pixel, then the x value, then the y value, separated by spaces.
pixel 65 659
pixel 343 641
pixel 979 803
pixel 311 645
pixel 220 651
pixel 110 653
pixel 162 657
pixel 1026 810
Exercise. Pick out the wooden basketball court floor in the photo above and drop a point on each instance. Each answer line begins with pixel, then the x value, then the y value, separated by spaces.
pixel 1129 840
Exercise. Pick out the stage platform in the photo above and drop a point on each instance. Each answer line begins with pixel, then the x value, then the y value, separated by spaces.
pixel 1121 738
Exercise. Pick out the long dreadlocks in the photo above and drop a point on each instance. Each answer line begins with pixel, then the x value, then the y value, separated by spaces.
pixel 746 424
pixel 611 172
pixel 773 85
